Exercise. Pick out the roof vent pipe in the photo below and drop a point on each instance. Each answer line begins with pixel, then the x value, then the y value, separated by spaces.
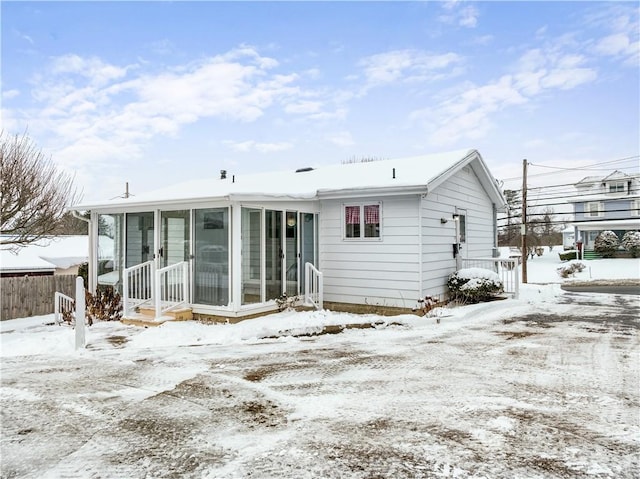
pixel 223 174
pixel 394 173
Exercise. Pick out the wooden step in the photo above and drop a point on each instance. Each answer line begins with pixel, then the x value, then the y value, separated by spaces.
pixel 147 317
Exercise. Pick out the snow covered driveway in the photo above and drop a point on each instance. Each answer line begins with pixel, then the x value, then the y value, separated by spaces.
pixel 515 389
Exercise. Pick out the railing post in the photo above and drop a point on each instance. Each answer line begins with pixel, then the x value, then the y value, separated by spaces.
pixel 157 300
pixel 125 292
pixel 185 282
pixel 320 290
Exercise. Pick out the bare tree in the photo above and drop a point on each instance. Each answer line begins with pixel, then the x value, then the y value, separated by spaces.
pixel 35 194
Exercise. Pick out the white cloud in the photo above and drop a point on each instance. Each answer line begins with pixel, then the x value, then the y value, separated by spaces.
pixel 251 145
pixel 304 107
pixel 7 95
pixel 406 65
pixel 456 14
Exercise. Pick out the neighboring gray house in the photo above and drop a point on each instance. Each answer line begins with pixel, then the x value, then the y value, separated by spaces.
pixel 381 233
pixel 605 203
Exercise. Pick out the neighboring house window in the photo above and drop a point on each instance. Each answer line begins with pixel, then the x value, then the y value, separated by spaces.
pixel 362 221
pixel 593 209
pixel 616 187
pixel 635 208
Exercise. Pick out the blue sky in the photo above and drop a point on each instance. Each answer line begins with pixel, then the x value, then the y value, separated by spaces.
pixel 158 92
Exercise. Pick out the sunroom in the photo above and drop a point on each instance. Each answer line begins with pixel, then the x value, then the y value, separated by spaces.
pixel 226 259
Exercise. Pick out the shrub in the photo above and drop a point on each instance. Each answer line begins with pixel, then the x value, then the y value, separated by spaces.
pixel 606 244
pixel 568 255
pixel 105 305
pixel 631 242
pixel 474 284
pixel 571 269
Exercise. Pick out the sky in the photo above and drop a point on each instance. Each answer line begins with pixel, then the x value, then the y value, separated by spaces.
pixel 153 93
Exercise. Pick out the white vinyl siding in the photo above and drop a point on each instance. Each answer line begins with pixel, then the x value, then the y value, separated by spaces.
pixel 463 193
pixel 383 272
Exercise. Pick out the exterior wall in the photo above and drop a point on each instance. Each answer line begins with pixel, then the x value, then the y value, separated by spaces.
pixel 464 192
pixel 381 272
pixel 617 209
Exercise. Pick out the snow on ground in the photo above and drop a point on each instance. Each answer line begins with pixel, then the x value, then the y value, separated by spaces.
pixel 544 386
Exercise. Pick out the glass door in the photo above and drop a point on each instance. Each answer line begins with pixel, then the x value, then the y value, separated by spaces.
pixel 291 254
pixel 139 244
pixel 274 254
pixel 174 237
pixel 307 243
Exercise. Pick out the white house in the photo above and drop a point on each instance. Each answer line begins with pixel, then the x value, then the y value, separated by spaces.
pixel 381 233
pixel 47 257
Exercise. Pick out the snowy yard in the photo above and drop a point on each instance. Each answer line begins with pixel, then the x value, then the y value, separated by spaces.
pixel 544 386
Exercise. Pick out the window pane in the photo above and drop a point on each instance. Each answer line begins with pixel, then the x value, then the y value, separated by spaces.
pixel 463 228
pixel 352 221
pixel 251 259
pixel 110 257
pixel 372 221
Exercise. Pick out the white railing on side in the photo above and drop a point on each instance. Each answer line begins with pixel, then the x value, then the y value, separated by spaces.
pixel 171 288
pixel 137 286
pixel 507 269
pixel 313 286
pixel 63 304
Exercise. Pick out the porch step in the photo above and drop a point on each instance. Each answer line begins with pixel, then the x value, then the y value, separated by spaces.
pixel 147 317
pixel 591 254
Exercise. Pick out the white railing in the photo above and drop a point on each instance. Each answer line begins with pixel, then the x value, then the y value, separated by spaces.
pixel 171 287
pixel 506 268
pixel 137 286
pixel 313 287
pixel 63 304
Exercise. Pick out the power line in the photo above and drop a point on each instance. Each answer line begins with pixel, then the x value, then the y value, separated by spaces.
pixel 591 167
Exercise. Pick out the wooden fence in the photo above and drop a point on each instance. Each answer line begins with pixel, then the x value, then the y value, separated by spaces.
pixel 25 296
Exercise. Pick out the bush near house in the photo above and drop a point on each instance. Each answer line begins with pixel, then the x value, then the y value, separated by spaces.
pixel 474 285
pixel 606 244
pixel 571 269
pixel 631 242
pixel 568 255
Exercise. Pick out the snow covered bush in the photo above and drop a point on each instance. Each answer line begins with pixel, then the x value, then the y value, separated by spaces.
pixel 631 242
pixel 606 244
pixel 474 284
pixel 571 269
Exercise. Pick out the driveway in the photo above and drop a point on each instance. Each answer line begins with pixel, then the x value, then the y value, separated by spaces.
pixel 531 393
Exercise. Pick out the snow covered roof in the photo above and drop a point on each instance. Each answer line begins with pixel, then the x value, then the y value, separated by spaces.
pixel 404 175
pixel 47 255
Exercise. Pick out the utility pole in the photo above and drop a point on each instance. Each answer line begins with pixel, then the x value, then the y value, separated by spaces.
pixel 523 230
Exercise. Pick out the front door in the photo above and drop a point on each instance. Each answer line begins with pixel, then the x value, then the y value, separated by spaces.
pixel 174 237
pixel 274 254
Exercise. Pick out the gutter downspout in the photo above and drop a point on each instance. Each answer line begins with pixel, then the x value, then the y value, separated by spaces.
pixel 91 285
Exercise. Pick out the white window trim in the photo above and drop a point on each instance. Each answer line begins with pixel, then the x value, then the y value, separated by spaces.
pixel 587 209
pixel 635 207
pixel 618 185
pixel 361 204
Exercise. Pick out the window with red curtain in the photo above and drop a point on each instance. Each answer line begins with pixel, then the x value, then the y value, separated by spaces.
pixel 372 221
pixel 362 221
pixel 352 221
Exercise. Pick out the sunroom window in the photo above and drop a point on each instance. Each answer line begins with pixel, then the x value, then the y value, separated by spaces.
pixel 362 221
